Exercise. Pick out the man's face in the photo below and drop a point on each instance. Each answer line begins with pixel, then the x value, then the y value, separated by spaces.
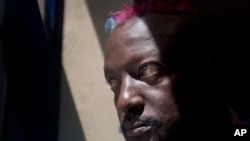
pixel 142 79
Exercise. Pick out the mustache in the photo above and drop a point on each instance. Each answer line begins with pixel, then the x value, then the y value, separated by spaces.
pixel 141 121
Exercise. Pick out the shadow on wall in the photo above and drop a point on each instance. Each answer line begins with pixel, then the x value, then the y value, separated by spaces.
pixel 32 60
pixel 99 11
pixel 70 128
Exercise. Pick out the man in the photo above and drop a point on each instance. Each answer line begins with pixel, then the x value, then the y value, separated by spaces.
pixel 156 63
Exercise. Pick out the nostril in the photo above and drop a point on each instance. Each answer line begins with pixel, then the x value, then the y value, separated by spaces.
pixel 136 110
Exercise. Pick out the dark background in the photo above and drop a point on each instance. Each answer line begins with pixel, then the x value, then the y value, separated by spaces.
pixel 30 70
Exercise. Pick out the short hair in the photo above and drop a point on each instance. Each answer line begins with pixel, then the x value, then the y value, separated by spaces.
pixel 145 7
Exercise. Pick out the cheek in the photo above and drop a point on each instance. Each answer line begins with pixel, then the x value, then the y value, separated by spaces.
pixel 120 116
pixel 164 105
pixel 161 93
pixel 161 100
pixel 120 113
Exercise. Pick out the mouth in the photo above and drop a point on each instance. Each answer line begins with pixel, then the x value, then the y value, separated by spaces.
pixel 140 126
pixel 137 130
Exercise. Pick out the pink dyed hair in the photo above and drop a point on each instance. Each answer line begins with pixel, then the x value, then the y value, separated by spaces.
pixel 151 6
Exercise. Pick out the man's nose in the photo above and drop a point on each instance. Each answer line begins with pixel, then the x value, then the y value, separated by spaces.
pixel 130 100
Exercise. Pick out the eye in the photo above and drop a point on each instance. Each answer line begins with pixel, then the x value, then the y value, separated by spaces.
pixel 112 82
pixel 149 69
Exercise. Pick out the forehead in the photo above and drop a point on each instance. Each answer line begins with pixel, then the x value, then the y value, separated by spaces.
pixel 147 27
pixel 143 33
pixel 134 31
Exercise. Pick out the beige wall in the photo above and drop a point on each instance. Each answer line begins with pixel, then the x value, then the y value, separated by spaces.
pixel 87 110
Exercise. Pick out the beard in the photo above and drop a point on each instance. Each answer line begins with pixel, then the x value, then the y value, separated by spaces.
pixel 160 131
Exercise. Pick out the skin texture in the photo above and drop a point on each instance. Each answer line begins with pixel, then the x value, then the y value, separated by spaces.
pixel 147 76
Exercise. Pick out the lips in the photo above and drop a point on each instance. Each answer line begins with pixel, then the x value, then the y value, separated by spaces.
pixel 139 126
pixel 137 129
